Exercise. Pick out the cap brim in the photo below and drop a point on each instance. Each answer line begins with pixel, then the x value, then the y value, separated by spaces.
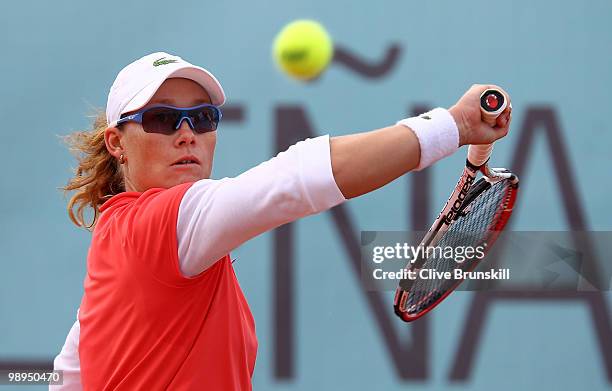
pixel 197 74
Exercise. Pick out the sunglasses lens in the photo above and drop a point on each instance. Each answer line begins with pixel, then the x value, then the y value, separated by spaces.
pixel 164 120
pixel 160 120
pixel 205 119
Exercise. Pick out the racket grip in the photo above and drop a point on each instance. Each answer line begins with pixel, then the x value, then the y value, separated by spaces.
pixel 479 154
pixel 492 104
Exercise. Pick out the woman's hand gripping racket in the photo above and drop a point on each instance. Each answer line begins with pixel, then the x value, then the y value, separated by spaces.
pixel 474 216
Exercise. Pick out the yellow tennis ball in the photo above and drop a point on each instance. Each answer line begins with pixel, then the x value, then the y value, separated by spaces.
pixel 303 49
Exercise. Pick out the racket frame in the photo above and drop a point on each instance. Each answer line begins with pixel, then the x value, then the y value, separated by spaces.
pixel 459 199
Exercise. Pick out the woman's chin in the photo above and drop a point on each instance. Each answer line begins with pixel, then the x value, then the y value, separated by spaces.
pixel 187 176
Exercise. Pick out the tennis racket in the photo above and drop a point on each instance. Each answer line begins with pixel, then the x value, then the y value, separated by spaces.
pixel 474 215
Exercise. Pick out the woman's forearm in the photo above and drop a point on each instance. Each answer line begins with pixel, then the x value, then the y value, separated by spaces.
pixel 364 162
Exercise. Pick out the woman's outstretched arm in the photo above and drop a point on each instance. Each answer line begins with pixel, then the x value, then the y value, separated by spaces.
pixel 216 216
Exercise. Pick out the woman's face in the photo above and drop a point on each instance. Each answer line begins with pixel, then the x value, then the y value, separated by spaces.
pixel 150 158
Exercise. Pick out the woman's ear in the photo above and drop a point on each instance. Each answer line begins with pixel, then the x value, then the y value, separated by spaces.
pixel 112 139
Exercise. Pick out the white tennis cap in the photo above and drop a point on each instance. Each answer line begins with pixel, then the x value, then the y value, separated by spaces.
pixel 137 83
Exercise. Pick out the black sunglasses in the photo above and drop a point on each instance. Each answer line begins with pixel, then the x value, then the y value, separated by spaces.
pixel 167 119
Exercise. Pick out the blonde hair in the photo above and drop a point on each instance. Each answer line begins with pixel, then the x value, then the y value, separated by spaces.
pixel 98 175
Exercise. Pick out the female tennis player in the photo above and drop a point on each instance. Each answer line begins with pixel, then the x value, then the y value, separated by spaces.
pixel 162 308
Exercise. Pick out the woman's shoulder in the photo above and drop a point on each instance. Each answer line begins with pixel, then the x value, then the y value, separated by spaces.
pixel 153 195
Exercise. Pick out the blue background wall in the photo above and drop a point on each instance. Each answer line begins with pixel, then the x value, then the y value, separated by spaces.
pixel 60 58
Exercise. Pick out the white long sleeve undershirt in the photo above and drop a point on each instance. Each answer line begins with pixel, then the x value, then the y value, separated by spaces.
pixel 216 216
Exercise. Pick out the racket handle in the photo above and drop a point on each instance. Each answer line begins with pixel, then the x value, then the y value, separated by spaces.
pixel 479 154
pixel 492 104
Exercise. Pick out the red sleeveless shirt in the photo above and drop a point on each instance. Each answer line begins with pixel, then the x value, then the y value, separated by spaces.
pixel 144 326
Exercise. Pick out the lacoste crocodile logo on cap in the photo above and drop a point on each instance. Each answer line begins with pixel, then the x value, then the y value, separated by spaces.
pixel 161 61
pixel 425 116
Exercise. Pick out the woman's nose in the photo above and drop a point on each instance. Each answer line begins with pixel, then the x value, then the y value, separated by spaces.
pixel 185 133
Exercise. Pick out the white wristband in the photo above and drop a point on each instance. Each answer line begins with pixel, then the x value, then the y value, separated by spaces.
pixel 437 133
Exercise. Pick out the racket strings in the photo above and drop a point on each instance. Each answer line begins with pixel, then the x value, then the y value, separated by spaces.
pixel 470 230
